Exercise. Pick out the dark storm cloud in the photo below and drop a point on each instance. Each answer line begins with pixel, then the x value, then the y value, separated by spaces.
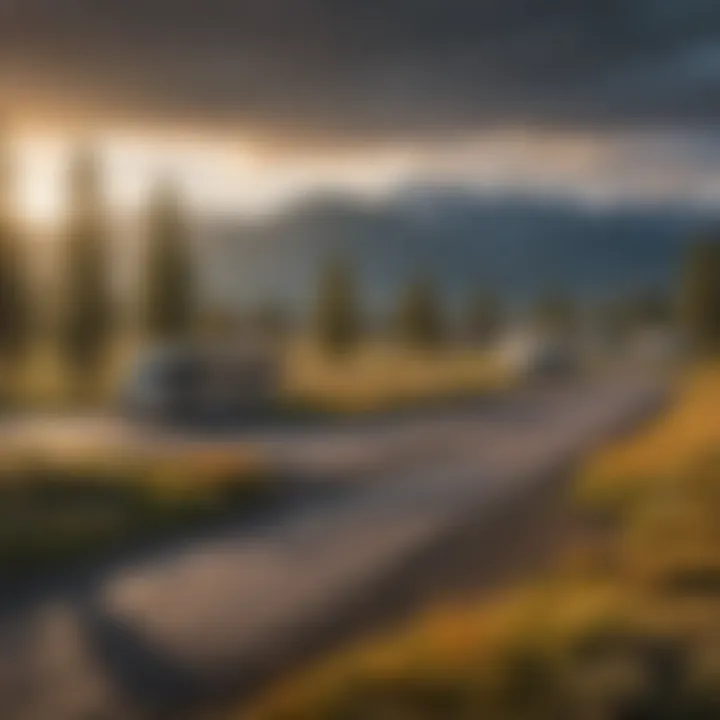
pixel 371 67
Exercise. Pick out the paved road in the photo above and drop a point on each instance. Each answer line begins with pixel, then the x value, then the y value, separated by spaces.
pixel 138 636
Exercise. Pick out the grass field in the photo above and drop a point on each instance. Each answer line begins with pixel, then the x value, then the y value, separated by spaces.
pixel 670 448
pixel 380 376
pixel 56 506
pixel 377 376
pixel 627 627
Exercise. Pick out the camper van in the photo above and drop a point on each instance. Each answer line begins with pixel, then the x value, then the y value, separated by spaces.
pixel 530 354
pixel 191 384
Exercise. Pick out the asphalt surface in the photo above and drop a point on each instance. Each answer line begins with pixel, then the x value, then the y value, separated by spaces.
pixel 147 636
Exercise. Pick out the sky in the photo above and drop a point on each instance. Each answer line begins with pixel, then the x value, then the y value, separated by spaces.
pixel 252 103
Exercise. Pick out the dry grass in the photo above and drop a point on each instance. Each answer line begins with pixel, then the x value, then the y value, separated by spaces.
pixel 562 651
pixel 670 447
pixel 43 382
pixel 638 638
pixel 382 376
pixel 377 376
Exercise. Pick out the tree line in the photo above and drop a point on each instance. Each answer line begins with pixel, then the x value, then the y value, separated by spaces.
pixel 86 314
pixel 168 295
pixel 420 320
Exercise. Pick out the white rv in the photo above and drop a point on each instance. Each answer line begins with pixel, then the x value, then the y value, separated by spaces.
pixel 530 353
pixel 185 383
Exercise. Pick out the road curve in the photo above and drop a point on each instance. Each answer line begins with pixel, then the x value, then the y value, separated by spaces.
pixel 143 637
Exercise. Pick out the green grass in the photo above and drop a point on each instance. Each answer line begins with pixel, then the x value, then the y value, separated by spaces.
pixel 55 508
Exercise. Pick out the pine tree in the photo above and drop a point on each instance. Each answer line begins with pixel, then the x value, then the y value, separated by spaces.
pixel 701 297
pixel 168 281
pixel 15 315
pixel 338 318
pixel 420 321
pixel 86 307
pixel 484 317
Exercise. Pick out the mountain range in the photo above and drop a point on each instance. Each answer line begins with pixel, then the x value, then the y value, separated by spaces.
pixel 514 247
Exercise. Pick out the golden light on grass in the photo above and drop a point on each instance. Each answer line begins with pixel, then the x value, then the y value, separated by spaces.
pixel 573 644
pixel 670 446
pixel 383 376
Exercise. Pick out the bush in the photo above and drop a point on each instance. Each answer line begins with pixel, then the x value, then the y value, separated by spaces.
pixel 55 508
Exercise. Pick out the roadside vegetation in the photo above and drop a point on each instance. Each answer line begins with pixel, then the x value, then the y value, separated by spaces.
pixel 627 626
pixel 384 376
pixel 60 505
pixel 377 376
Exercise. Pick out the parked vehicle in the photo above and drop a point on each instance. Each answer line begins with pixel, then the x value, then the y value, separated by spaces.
pixel 531 354
pixel 200 384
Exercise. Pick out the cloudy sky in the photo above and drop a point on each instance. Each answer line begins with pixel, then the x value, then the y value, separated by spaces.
pixel 251 102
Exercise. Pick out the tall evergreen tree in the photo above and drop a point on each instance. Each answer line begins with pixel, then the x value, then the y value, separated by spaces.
pixel 701 297
pixel 15 315
pixel 338 318
pixel 484 317
pixel 420 318
pixel 86 307
pixel 169 291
